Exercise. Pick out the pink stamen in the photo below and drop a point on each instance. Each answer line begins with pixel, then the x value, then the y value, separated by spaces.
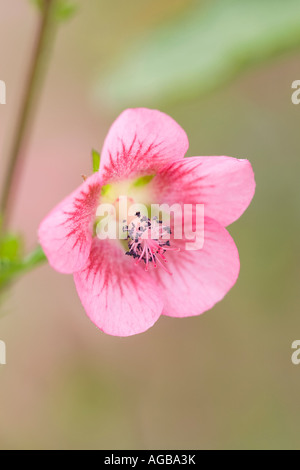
pixel 145 248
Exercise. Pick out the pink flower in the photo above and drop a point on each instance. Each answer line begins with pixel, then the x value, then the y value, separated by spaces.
pixel 119 295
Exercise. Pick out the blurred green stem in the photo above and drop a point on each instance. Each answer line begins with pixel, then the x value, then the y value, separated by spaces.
pixel 17 152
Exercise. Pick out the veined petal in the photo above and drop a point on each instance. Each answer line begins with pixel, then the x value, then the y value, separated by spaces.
pixel 201 278
pixel 118 296
pixel 224 185
pixel 66 233
pixel 140 141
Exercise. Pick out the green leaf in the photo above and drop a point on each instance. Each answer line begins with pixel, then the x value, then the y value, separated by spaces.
pixel 62 9
pixel 10 247
pixel 14 266
pixel 65 9
pixel 96 160
pixel 201 51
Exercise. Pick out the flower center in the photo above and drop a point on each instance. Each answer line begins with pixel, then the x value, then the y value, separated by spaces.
pixel 148 241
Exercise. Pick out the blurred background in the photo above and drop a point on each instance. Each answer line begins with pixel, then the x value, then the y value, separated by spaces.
pixel 224 380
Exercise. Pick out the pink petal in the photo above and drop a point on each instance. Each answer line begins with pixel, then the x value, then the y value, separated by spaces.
pixel 118 296
pixel 224 185
pixel 201 278
pixel 141 141
pixel 66 233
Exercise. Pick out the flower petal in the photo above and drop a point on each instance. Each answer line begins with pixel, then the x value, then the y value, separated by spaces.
pixel 200 278
pixel 141 141
pixel 224 185
pixel 66 233
pixel 118 296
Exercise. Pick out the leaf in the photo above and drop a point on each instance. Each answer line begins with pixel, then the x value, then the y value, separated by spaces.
pixel 10 247
pixel 65 9
pixel 12 267
pixel 96 161
pixel 10 255
pixel 62 9
pixel 201 51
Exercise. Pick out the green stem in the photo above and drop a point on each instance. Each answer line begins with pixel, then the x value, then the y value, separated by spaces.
pixel 17 152
pixel 34 259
